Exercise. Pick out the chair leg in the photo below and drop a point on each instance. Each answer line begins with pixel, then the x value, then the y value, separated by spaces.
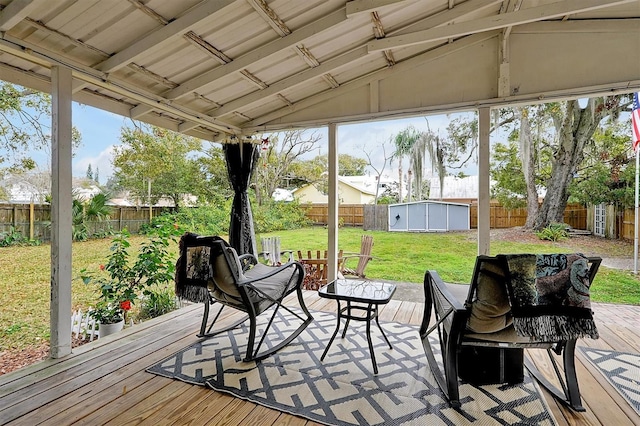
pixel 206 332
pixel 253 354
pixel 570 393
pixel 447 380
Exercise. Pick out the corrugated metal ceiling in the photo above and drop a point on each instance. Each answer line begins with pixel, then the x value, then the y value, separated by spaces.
pixel 217 67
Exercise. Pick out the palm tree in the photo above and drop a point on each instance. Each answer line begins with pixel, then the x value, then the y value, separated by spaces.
pixel 404 141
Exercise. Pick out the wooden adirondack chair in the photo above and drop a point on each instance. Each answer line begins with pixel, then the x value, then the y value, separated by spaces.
pixel 316 267
pixel 271 252
pixel 363 257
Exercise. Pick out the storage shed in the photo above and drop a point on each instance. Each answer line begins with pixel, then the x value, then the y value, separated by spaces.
pixel 428 216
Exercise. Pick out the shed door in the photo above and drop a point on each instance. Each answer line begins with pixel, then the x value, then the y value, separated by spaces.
pixel 599 220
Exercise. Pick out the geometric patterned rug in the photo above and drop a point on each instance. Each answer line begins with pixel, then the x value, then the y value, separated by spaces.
pixel 342 389
pixel 621 369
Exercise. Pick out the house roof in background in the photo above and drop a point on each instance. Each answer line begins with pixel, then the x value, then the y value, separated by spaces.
pixel 215 68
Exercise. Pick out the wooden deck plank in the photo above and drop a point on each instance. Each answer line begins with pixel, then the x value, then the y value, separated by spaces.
pixel 106 382
pixel 90 366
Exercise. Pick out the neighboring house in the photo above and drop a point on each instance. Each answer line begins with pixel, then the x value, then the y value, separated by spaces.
pixel 454 188
pixel 281 194
pixel 351 190
pixel 25 188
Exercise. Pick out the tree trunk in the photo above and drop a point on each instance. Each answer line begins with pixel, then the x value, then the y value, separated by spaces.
pixel 527 158
pixel 576 131
pixel 399 179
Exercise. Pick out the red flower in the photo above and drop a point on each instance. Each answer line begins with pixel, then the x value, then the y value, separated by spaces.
pixel 125 305
pixel 102 267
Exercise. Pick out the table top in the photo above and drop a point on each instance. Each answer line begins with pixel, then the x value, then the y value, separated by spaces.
pixel 364 291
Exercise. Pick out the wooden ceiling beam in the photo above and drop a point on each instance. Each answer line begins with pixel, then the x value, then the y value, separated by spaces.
pixel 358 7
pixel 533 14
pixel 270 17
pixel 15 12
pixel 163 35
pixel 262 52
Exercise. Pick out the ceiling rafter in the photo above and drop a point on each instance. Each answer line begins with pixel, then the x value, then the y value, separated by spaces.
pixel 443 18
pixel 331 81
pixel 253 79
pixel 16 11
pixel 533 14
pixel 306 55
pixel 356 7
pixel 380 74
pixel 292 81
pixel 152 13
pixel 284 99
pixel 270 16
pixel 313 62
pixel 163 35
pixel 215 104
pixel 152 75
pixel 201 43
pixel 242 116
pixel 258 54
pixel 46 58
pixel 378 33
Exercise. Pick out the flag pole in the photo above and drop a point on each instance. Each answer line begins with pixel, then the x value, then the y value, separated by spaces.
pixel 637 210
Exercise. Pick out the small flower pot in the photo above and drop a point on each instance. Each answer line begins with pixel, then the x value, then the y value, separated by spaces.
pixel 107 329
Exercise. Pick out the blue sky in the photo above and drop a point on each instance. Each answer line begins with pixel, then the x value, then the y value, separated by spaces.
pixel 101 132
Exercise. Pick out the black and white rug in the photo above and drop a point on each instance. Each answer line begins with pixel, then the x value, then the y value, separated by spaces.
pixel 621 369
pixel 342 389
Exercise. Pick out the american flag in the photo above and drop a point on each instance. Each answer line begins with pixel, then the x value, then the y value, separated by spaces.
pixel 635 122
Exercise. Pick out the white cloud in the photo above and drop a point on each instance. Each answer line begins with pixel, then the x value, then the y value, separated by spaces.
pixel 102 163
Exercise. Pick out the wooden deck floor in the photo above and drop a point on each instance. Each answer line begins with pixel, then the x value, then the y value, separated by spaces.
pixel 105 382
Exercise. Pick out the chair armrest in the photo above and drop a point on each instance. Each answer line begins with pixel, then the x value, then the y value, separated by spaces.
pixel 247 260
pixel 450 312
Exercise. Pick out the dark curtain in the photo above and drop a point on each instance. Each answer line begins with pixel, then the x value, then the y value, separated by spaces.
pixel 241 159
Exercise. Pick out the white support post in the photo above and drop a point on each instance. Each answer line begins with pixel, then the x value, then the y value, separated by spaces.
pixel 484 200
pixel 332 222
pixel 61 204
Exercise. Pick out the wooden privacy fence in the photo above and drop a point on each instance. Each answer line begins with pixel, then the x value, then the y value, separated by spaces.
pixel 350 214
pixel 575 215
pixel 372 217
pixel 33 220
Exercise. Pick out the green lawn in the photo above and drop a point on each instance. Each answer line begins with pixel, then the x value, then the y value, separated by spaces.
pixel 25 271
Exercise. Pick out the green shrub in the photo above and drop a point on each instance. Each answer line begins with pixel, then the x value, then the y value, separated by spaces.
pixel 279 215
pixel 157 302
pixel 15 238
pixel 554 232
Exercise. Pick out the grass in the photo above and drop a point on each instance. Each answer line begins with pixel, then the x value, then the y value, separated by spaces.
pixel 406 256
pixel 25 271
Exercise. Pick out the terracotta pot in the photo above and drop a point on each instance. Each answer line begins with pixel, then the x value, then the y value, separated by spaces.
pixel 107 329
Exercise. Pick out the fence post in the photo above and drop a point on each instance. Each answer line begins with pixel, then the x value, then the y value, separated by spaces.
pixel 31 218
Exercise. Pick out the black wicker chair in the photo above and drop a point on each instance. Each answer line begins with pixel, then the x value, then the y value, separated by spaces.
pixel 210 271
pixel 481 326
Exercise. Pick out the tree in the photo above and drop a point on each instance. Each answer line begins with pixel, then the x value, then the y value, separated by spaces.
pixel 279 154
pixel 214 182
pixel 608 173
pixel 152 154
pixel 574 134
pixel 404 142
pixel 23 113
pixel 552 140
pixel 89 172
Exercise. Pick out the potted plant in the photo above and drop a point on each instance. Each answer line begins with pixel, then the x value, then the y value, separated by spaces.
pixel 122 280
pixel 110 316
